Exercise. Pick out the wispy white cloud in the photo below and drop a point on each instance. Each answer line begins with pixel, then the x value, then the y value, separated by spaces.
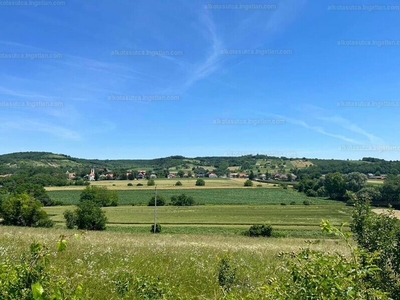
pixel 40 127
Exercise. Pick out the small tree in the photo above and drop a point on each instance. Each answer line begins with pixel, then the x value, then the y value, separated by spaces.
pixel 182 200
pixel 248 182
pixel 200 182
pixel 89 216
pixel 151 182
pixel 99 195
pixel 178 183
pixel 160 201
pixel 24 210
pixel 158 228
pixel 259 230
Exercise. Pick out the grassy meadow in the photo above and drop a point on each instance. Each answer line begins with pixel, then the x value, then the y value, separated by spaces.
pixel 128 262
pixel 179 266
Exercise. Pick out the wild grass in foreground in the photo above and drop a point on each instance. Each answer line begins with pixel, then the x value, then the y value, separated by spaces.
pixel 108 264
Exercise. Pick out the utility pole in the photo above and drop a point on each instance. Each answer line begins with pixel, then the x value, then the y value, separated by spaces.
pixel 155 209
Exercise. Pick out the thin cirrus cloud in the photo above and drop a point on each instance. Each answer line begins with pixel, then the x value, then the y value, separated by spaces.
pixel 38 126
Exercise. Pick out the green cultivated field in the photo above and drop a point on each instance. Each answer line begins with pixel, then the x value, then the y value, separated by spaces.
pixel 217 196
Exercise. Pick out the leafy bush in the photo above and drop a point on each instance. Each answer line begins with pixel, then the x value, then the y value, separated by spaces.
pixel 151 182
pixel 292 202
pixel 178 183
pixel 129 184
pixel 70 219
pixel 312 274
pixel 158 228
pixel 182 200
pixel 307 202
pixel 226 274
pixel 311 193
pixel 200 182
pixel 283 203
pixel 259 185
pixel 139 184
pixel 379 233
pixel 99 195
pixel 24 210
pixel 160 201
pixel 248 182
pixel 88 215
pixel 259 230
pixel 31 276
pixel 284 186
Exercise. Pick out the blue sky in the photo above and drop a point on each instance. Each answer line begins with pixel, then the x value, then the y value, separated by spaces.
pixel 146 79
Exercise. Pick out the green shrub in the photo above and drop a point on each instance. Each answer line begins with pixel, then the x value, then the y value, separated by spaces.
pixel 151 182
pixel 200 182
pixel 70 219
pixel 182 200
pixel 248 182
pixel 259 185
pixel 307 202
pixel 226 274
pixel 99 195
pixel 129 184
pixel 139 184
pixel 90 216
pixel 178 183
pixel 311 193
pixel 24 210
pixel 158 228
pixel 160 201
pixel 259 230
pixel 284 186
pixel 283 203
pixel 292 202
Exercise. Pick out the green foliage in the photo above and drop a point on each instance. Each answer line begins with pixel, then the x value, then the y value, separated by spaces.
pixel 146 287
pixel 292 202
pixel 31 277
pixel 335 185
pixel 284 186
pixel 129 184
pixel 182 200
pixel 88 216
pixel 311 193
pixel 151 182
pixel 200 182
pixel 307 202
pixel 312 274
pixel 139 184
pixel 248 182
pixel 160 201
pixel 259 230
pixel 24 210
pixel 37 191
pixel 178 183
pixel 101 196
pixel 226 274
pixel 379 233
pixel 157 228
pixel 70 219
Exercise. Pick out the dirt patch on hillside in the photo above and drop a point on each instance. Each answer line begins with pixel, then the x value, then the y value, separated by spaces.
pixel 396 213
